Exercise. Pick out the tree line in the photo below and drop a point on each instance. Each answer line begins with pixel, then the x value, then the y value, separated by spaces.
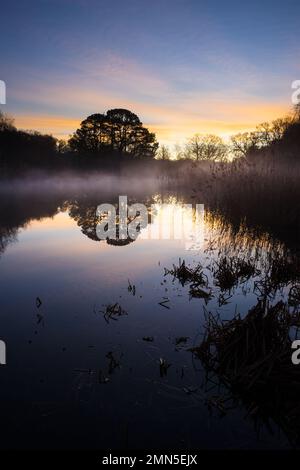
pixel 282 134
pixel 119 136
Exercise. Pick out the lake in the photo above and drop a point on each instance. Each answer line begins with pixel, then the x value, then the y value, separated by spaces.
pixel 99 334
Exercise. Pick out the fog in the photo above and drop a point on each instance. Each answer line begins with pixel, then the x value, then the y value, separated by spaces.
pixel 89 182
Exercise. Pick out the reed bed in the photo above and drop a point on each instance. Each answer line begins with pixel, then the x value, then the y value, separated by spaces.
pixel 251 357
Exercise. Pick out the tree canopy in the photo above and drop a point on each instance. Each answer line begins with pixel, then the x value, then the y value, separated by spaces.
pixel 118 132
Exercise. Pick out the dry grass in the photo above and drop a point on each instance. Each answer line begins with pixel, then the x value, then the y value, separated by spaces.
pixel 186 274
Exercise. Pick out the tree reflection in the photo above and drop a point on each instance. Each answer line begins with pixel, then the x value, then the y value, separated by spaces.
pixel 84 212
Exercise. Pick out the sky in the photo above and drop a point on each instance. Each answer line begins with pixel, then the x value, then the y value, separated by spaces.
pixel 183 66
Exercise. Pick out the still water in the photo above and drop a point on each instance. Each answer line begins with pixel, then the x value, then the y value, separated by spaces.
pixel 79 377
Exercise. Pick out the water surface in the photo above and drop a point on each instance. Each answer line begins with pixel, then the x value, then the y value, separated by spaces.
pixel 77 378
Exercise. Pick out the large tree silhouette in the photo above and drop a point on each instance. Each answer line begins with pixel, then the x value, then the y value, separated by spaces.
pixel 118 132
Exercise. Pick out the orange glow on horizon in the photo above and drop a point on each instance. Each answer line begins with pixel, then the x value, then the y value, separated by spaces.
pixel 169 126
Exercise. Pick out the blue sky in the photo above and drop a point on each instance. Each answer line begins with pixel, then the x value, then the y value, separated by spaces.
pixel 183 66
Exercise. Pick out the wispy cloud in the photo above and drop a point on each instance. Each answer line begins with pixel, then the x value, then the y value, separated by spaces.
pixel 174 109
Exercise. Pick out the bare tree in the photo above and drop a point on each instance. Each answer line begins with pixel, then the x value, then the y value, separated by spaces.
pixel 163 153
pixel 179 153
pixel 193 147
pixel 243 143
pixel 206 147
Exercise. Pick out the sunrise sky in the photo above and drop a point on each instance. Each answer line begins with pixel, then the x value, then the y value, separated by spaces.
pixel 184 66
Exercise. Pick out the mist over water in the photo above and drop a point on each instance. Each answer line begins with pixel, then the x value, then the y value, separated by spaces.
pixel 72 183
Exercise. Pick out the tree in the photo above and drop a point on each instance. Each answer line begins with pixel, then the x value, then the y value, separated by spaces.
pixel 62 146
pixel 244 143
pixel 92 136
pixel 268 133
pixel 6 123
pixel 179 152
pixel 164 153
pixel 118 132
pixel 124 127
pixel 193 147
pixel 143 143
pixel 206 147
